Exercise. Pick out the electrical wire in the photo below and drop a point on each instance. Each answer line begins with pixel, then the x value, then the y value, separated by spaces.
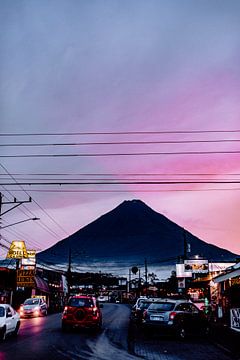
pixel 45 212
pixel 118 143
pixel 122 132
pixel 121 154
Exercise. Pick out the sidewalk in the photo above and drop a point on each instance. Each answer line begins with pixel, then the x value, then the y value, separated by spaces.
pixel 226 338
pixel 222 343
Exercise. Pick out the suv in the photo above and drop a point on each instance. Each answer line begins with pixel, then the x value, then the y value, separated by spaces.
pixel 33 307
pixel 180 317
pixel 82 311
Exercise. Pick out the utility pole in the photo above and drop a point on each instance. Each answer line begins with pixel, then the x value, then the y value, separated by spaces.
pixel 184 245
pixel 16 204
pixel 69 271
pixel 146 271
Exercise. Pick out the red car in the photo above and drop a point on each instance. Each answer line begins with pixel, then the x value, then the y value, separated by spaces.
pixel 82 311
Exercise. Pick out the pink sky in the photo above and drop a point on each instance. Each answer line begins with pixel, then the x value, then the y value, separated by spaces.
pixel 103 67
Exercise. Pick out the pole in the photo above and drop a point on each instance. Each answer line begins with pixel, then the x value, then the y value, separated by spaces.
pixel 146 271
pixel 184 244
pixel 69 271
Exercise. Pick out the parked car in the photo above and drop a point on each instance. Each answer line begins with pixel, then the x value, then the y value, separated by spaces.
pixel 33 307
pixel 138 310
pixel 9 321
pixel 82 311
pixel 179 317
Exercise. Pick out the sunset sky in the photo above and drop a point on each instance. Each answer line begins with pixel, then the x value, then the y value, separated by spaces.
pixel 157 82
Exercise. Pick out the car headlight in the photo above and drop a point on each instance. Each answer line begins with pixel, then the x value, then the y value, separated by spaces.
pixel 36 308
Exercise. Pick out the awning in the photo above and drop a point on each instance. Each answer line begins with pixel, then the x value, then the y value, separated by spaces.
pixel 227 276
pixel 41 284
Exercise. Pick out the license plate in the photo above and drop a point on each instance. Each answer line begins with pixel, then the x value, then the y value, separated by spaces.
pixel 156 318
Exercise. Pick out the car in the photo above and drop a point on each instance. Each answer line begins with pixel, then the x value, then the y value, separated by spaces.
pixel 82 311
pixel 9 321
pixel 102 298
pixel 138 310
pixel 33 307
pixel 180 317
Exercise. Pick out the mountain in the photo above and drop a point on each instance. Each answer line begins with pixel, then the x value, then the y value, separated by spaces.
pixel 127 235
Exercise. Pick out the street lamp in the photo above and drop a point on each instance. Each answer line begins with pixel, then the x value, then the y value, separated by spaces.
pixel 19 222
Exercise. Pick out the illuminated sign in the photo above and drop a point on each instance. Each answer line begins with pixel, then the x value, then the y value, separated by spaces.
pixel 25 278
pixel 17 250
pixel 180 271
pixel 31 259
pixel 196 266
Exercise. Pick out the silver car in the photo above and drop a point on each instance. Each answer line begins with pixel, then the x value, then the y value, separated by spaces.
pixel 33 307
pixel 180 317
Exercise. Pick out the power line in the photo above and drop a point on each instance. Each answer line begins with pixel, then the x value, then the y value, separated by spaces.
pixel 126 191
pixel 117 182
pixel 35 202
pixel 109 179
pixel 119 143
pixel 125 174
pixel 121 154
pixel 41 223
pixel 121 133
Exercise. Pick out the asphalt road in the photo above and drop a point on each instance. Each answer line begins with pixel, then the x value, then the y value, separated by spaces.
pixel 42 338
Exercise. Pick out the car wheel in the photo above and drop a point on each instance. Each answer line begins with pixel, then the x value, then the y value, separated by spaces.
pixel 181 333
pixel 16 329
pixel 3 334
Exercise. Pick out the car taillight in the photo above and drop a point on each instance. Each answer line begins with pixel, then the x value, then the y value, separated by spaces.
pixel 94 310
pixel 65 310
pixel 145 314
pixel 172 315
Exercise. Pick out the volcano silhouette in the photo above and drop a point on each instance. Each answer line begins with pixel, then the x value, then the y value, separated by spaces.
pixel 128 234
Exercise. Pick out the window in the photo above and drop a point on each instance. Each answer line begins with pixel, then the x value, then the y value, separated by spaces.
pixel 161 306
pixel 2 311
pixel 80 302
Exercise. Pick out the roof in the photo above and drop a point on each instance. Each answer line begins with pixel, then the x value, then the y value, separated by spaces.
pixel 41 284
pixel 227 276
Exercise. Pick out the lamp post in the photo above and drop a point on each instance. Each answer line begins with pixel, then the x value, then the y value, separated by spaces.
pixel 19 222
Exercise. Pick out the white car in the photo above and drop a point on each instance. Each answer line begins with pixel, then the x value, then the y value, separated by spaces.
pixel 9 321
pixel 33 307
pixel 102 298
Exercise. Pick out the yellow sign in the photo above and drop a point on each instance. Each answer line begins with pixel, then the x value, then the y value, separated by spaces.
pixel 25 278
pixel 17 250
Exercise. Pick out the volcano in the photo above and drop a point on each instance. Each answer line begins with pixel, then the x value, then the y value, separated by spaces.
pixel 127 235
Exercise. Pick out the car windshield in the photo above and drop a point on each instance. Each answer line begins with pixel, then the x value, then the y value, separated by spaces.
pixel 144 305
pixel 80 302
pixel 161 306
pixel 31 302
pixel 2 311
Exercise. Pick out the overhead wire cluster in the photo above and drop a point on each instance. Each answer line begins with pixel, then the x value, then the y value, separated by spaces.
pixel 111 182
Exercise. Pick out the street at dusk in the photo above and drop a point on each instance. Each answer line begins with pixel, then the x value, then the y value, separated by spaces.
pixel 119 179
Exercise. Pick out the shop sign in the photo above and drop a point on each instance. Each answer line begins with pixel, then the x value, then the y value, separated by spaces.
pixel 196 266
pixel 25 278
pixel 17 250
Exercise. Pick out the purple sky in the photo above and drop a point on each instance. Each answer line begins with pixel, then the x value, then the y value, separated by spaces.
pixel 114 66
